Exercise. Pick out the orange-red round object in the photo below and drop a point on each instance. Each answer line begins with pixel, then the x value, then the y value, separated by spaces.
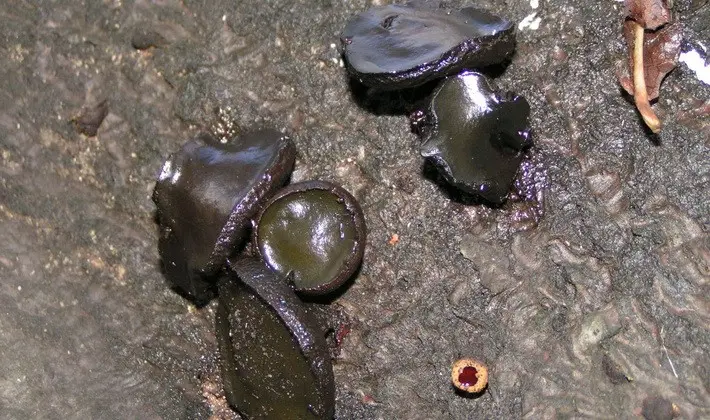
pixel 469 375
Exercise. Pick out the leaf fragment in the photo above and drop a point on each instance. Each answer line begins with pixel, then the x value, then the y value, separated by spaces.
pixel 651 14
pixel 660 55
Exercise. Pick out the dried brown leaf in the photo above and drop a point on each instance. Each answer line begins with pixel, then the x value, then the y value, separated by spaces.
pixel 660 56
pixel 648 13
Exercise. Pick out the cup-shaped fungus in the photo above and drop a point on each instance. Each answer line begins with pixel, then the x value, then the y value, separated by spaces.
pixel 206 195
pixel 275 363
pixel 314 231
pixel 400 46
pixel 468 375
pixel 476 135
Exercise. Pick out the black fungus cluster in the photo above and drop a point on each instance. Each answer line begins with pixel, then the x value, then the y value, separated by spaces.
pixel 308 239
pixel 206 195
pixel 475 134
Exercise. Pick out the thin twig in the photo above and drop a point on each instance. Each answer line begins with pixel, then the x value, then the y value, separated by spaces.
pixel 640 93
pixel 667 357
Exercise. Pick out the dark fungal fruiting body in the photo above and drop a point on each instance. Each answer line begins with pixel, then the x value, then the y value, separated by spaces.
pixel 476 135
pixel 205 196
pixel 402 46
pixel 315 231
pixel 275 363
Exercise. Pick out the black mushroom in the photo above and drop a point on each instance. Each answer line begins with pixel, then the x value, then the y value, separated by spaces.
pixel 401 46
pixel 206 195
pixel 314 231
pixel 275 362
pixel 476 135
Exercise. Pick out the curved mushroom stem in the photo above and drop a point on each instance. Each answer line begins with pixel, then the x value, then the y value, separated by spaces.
pixel 640 93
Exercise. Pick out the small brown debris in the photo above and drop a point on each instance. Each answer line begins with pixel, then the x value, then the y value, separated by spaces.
pixel 342 331
pixel 613 371
pixel 143 39
pixel 394 239
pixel 213 395
pixel 657 408
pixel 90 118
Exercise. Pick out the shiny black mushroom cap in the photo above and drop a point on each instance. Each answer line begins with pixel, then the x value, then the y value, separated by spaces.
pixel 476 135
pixel 314 231
pixel 400 46
pixel 274 358
pixel 205 196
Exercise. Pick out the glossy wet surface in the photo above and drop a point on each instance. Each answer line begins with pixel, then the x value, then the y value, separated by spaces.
pixel 478 135
pixel 205 195
pixel 400 45
pixel 308 233
pixel 261 330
